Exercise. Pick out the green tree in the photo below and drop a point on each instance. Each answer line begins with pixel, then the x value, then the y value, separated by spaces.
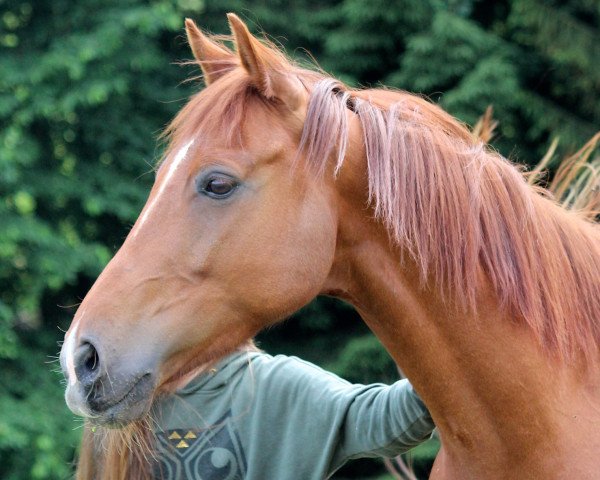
pixel 85 88
pixel 536 62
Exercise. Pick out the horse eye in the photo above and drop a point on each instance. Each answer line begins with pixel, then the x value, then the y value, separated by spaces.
pixel 219 186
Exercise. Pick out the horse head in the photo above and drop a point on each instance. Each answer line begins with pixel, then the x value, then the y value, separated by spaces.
pixel 233 236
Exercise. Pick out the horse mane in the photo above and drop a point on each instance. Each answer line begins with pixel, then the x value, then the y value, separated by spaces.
pixel 460 209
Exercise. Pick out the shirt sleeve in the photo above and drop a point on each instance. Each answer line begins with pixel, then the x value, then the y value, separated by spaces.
pixel 383 421
pixel 342 421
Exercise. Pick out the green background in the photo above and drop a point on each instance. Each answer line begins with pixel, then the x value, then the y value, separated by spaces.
pixel 86 87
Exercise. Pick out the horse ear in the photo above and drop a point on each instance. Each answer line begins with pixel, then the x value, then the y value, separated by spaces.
pixel 215 61
pixel 271 74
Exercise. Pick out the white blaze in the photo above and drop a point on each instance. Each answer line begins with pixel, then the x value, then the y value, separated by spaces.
pixel 179 157
pixel 69 349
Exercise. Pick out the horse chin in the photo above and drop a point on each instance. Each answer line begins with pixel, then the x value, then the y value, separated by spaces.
pixel 133 406
pixel 119 408
pixel 120 415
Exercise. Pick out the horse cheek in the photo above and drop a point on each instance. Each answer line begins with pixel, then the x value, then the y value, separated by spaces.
pixel 294 273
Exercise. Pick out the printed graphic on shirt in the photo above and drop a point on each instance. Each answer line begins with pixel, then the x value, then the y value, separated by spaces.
pixel 213 453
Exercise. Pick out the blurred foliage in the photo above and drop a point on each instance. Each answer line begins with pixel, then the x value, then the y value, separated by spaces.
pixel 37 434
pixel 87 86
pixel 362 360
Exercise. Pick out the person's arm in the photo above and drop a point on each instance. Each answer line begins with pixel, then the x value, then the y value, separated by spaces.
pixel 384 421
pixel 323 420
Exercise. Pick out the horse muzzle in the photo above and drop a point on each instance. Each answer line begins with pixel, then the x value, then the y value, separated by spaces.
pixel 106 395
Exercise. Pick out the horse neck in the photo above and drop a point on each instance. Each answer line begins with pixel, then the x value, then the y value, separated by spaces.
pixel 493 394
pixel 482 374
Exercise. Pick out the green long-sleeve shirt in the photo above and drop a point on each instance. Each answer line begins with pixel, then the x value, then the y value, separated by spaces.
pixel 261 417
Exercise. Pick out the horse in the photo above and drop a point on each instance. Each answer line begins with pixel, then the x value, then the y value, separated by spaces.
pixel 280 183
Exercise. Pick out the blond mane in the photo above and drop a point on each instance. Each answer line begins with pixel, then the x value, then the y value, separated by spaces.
pixel 460 209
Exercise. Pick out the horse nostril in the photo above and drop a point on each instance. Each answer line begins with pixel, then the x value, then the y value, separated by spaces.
pixel 87 364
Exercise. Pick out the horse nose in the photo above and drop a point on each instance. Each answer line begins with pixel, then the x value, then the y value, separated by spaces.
pixel 87 364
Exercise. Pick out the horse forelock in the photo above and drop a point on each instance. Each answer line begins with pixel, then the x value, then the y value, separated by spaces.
pixel 218 109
